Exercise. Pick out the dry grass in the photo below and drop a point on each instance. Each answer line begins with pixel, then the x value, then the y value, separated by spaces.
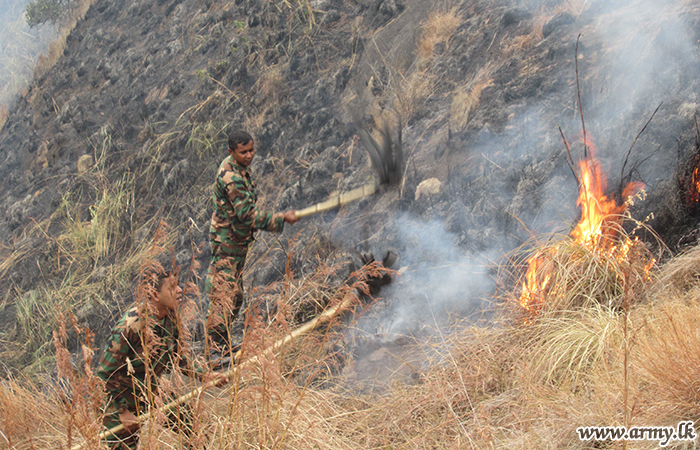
pixel 413 93
pixel 680 276
pixel 28 416
pixel 518 44
pixel 272 90
pixel 573 7
pixel 511 385
pixel 437 29
pixel 3 116
pixel 467 98
pixel 668 355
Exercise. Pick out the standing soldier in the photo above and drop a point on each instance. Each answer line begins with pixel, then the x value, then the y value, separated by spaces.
pixel 233 224
pixel 144 344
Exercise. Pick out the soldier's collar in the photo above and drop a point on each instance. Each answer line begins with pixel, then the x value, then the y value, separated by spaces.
pixel 232 162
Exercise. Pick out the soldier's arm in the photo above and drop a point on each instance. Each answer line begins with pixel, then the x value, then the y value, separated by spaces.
pixel 245 210
pixel 112 365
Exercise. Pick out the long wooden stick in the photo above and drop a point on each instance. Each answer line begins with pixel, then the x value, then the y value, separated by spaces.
pixel 326 316
pixel 338 200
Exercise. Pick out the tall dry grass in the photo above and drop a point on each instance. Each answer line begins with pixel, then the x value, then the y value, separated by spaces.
pixel 510 385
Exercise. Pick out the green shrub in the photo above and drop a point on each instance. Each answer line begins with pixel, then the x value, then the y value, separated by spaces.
pixel 38 12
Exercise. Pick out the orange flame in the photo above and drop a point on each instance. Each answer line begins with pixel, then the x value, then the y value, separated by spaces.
pixel 596 230
pixel 693 196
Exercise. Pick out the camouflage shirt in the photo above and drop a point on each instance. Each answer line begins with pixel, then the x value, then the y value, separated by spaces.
pixel 123 365
pixel 235 216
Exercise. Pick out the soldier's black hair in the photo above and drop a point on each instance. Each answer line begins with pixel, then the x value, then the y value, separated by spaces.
pixel 157 279
pixel 160 278
pixel 238 137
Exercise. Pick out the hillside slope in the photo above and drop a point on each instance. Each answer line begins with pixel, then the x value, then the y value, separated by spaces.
pixel 145 92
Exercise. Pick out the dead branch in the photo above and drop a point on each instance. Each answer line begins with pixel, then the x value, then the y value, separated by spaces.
pixel 571 159
pixel 580 105
pixel 622 172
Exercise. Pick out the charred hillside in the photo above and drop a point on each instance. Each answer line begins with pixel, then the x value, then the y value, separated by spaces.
pixel 129 126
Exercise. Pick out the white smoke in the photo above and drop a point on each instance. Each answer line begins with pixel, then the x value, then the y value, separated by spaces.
pixel 438 281
pixel 20 47
pixel 633 55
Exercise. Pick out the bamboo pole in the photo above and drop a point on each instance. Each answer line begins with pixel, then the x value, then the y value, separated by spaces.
pixel 338 200
pixel 326 316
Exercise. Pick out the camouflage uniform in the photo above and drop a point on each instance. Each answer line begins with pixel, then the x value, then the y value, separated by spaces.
pixel 127 377
pixel 233 224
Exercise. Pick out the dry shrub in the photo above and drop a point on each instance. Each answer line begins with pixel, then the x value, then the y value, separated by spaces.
pixel 438 29
pixel 668 355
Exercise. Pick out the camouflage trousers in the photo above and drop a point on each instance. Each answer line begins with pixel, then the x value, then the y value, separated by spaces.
pixel 224 285
pixel 179 420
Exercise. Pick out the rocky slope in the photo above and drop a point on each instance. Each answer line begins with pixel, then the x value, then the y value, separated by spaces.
pixel 135 113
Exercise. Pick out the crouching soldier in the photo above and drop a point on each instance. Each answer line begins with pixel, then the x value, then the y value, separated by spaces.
pixel 145 344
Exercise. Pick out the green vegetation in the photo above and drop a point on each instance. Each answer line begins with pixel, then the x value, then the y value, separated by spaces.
pixel 18 54
pixel 39 12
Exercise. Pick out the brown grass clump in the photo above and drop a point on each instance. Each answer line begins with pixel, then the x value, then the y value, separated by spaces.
pixel 413 93
pixel 573 7
pixel 667 354
pixel 467 98
pixel 436 30
pixel 518 44
pixel 3 116
pixel 681 275
pixel 26 416
pixel 272 89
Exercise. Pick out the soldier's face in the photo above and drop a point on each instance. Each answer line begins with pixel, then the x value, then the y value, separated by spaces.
pixel 170 294
pixel 243 153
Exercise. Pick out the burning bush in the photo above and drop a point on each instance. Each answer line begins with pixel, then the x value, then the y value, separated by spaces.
pixel 566 275
pixel 600 263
